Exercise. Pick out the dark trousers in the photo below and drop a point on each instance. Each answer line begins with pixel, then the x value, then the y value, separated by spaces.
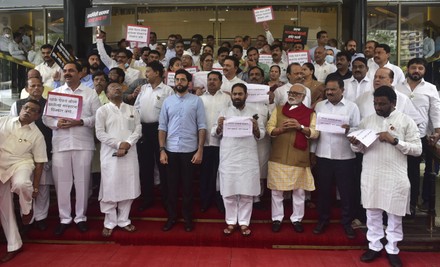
pixel 148 155
pixel 344 173
pixel 414 175
pixel 180 169
pixel 359 212
pixel 430 166
pixel 208 175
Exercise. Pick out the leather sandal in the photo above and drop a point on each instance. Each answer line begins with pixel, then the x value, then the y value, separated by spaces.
pixel 245 231
pixel 106 232
pixel 229 230
pixel 129 228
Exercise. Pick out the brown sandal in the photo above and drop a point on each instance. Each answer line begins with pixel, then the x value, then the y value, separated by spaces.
pixel 245 231
pixel 129 228
pixel 229 230
pixel 106 232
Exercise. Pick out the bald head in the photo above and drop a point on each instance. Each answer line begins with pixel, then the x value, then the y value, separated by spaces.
pixel 33 73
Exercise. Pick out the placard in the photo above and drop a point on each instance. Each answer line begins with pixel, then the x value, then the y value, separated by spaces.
pixel 293 34
pixel 237 127
pixel 257 93
pixel 263 14
pixel 300 57
pixel 98 16
pixel 61 55
pixel 170 78
pixel 265 59
pixel 192 69
pixel 63 106
pixel 331 123
pixel 137 33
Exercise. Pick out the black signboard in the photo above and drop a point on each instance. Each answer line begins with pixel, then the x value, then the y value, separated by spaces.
pixel 60 54
pixel 98 16
pixel 294 34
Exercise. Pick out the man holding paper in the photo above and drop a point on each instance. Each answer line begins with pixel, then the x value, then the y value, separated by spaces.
pixel 291 125
pixel 384 180
pixel 72 150
pixel 239 172
pixel 335 159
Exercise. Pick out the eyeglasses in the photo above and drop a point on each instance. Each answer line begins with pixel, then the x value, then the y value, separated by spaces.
pixel 294 94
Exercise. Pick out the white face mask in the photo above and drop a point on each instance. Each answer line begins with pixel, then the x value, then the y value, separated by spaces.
pixel 7 35
pixel 330 59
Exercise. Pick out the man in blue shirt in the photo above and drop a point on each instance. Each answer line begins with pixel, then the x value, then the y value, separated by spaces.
pixel 182 130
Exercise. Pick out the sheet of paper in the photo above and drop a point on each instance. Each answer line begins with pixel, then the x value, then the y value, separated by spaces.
pixel 265 59
pixel 237 127
pixel 331 123
pixel 257 93
pixel 263 14
pixel 365 136
pixel 63 106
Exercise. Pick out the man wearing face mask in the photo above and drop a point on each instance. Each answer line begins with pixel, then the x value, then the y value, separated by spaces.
pixel 5 39
pixel 322 68
pixel 122 61
pixel 329 56
pixel 291 125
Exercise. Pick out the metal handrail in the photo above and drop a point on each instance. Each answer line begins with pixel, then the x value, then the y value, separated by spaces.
pixel 10 58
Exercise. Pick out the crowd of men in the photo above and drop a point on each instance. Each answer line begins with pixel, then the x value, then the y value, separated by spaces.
pixel 161 111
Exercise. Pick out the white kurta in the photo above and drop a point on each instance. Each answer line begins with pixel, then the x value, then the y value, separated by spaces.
pixel 384 179
pixel 263 144
pixel 239 172
pixel 119 175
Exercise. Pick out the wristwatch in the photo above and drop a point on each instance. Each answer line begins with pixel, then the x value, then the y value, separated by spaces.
pixel 36 190
pixel 302 127
pixel 396 141
pixel 162 148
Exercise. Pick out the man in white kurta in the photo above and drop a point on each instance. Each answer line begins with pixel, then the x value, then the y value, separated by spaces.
pixel 22 151
pixel 384 181
pixel 239 172
pixel 118 128
pixel 72 150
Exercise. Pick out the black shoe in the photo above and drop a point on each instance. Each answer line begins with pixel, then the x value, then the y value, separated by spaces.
pixel 61 228
pixel 320 228
pixel 189 226
pixel 82 226
pixel 370 255
pixel 276 226
pixel 424 206
pixel 169 225
pixel 394 260
pixel 41 225
pixel 145 206
pixel 258 206
pixel 349 232
pixel 298 227
pixel 203 209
